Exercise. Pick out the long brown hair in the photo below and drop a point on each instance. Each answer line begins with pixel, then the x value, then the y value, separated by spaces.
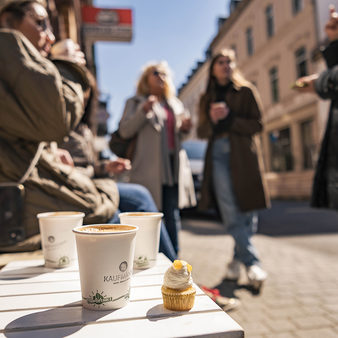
pixel 236 76
pixel 204 126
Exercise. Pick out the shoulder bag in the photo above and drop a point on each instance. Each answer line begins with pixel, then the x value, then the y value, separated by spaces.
pixel 12 197
pixel 124 148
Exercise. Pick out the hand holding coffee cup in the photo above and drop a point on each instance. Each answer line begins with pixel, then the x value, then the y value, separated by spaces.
pixel 331 27
pixel 69 50
pixel 186 124
pixel 148 105
pixel 218 111
pixel 305 84
pixel 117 166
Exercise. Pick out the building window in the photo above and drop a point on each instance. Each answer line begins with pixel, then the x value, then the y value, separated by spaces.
pixel 301 64
pixel 273 73
pixel 270 27
pixel 297 6
pixel 280 145
pixel 249 41
pixel 308 146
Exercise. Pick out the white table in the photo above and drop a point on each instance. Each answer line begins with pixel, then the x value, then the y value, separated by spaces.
pixel 40 302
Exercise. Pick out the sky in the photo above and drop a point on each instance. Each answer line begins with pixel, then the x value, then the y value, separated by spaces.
pixel 178 31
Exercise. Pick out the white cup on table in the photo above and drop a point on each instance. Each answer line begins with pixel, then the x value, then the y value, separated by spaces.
pixel 148 236
pixel 57 238
pixel 105 254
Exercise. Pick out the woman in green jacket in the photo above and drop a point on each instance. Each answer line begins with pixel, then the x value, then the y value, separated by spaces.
pixel 41 101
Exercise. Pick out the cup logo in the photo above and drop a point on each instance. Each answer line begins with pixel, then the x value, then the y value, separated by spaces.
pixel 51 239
pixel 119 277
pixel 64 261
pixel 98 298
pixel 123 266
pixel 141 262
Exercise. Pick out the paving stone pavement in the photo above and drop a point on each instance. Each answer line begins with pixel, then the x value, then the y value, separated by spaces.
pixel 299 298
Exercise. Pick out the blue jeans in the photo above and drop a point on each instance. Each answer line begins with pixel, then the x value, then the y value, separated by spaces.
pixel 240 225
pixel 135 197
pixel 172 219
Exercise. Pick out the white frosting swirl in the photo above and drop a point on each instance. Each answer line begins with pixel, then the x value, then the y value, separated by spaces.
pixel 178 279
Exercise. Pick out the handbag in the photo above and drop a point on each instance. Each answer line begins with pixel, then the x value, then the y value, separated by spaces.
pixel 12 198
pixel 122 147
pixel 186 189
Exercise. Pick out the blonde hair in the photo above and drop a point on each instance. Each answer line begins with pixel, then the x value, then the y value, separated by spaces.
pixel 142 87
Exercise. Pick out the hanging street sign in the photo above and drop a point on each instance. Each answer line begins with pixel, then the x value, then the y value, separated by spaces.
pixel 107 24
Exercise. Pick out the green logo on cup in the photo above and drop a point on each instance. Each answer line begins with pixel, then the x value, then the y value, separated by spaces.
pixel 63 261
pixel 141 262
pixel 99 299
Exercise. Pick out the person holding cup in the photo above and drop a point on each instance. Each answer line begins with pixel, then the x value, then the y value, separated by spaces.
pixel 82 155
pixel 42 101
pixel 159 119
pixel 230 117
pixel 325 85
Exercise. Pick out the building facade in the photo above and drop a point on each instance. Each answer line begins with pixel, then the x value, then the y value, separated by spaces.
pixel 275 43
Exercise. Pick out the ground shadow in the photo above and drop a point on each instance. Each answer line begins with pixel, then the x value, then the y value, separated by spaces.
pixel 159 312
pixel 296 218
pixel 24 273
pixel 71 317
pixel 284 218
pixel 228 287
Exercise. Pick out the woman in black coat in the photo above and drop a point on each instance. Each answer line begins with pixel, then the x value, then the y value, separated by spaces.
pixel 325 185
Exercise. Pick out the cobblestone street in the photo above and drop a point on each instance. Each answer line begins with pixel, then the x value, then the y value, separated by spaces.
pixel 300 296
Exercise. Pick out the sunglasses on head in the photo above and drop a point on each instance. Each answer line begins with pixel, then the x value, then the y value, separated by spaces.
pixel 158 73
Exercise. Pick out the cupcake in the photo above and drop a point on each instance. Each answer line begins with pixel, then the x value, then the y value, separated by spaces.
pixel 177 290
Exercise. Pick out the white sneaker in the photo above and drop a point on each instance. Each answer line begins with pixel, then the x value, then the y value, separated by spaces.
pixel 234 270
pixel 256 276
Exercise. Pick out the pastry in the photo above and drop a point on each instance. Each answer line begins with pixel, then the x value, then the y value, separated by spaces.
pixel 177 291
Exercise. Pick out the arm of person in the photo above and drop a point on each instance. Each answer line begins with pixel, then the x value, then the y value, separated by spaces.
pixel 33 93
pixel 134 117
pixel 326 85
pixel 112 167
pixel 182 116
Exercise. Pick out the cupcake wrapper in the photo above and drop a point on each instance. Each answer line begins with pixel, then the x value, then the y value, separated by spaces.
pixel 178 301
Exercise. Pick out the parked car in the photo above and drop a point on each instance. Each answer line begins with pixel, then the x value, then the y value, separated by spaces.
pixel 195 151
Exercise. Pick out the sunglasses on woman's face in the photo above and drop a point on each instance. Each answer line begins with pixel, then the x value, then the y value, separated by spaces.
pixel 159 74
pixel 42 24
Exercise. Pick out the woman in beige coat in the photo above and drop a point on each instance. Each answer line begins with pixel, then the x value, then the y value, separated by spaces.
pixel 158 118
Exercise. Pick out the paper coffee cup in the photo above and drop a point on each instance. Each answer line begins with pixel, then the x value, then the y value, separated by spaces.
pixel 105 254
pixel 57 238
pixel 147 238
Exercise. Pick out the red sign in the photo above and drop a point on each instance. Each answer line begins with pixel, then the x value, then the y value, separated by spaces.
pixel 107 24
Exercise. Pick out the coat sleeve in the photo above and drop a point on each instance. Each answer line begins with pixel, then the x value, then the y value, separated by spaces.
pixel 251 123
pixel 327 84
pixel 133 118
pixel 37 103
